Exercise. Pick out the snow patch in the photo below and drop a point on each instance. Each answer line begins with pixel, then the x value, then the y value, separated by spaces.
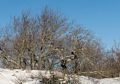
pixel 18 76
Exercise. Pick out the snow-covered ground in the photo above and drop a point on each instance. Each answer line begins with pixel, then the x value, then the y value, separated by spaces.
pixel 18 76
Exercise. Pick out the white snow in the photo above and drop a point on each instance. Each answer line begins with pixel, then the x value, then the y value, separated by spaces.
pixel 18 76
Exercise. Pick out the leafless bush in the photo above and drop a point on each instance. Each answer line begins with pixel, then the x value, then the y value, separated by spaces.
pixel 49 41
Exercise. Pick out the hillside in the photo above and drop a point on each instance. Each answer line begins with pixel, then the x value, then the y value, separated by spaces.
pixel 18 76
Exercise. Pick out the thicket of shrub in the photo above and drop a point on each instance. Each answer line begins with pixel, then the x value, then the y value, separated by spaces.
pixel 50 41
